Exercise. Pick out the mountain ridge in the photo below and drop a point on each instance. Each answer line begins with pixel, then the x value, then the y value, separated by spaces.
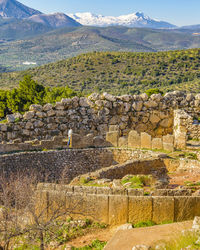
pixel 15 9
pixel 138 19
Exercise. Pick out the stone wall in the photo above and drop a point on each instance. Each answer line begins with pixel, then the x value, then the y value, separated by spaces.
pixel 120 209
pixel 137 140
pixel 185 127
pixel 153 166
pixel 111 191
pixel 66 164
pixel 96 113
pixel 55 166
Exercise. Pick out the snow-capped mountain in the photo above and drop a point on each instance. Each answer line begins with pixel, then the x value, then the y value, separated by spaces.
pixel 137 19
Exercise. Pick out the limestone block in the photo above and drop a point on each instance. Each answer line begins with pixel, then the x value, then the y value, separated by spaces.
pixel 3 127
pixel 51 112
pixel 112 138
pixel 35 107
pixel 109 97
pixel 10 118
pixel 168 143
pixel 157 143
pixel 150 104
pixel 163 209
pixel 123 142
pixel 166 123
pixel 146 140
pixel 59 106
pixel 83 102
pixel 98 141
pixel 154 119
pixel 134 139
pixel 29 115
pixel 137 106
pixel 113 128
pixel 186 208
pixel 140 209
pixel 118 210
pixel 47 107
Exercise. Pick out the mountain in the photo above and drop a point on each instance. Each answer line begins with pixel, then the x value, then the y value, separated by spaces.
pixel 71 41
pixel 15 9
pixel 137 19
pixel 14 29
pixel 56 20
pixel 118 72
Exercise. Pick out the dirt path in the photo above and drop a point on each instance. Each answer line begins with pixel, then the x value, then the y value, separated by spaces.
pixel 126 239
pixel 101 234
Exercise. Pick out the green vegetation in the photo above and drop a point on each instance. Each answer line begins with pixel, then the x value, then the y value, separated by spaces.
pixel 137 181
pixel 96 244
pixel 62 233
pixel 182 242
pixel 68 42
pixel 118 72
pixel 149 223
pixel 30 92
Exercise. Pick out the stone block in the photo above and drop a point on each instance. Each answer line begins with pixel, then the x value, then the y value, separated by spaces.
pixel 104 190
pixel 134 139
pixel 168 143
pixel 112 138
pixel 186 208
pixel 146 141
pixel 163 209
pixel 157 143
pixel 113 128
pixel 135 192
pixel 123 142
pixel 140 209
pixel 118 209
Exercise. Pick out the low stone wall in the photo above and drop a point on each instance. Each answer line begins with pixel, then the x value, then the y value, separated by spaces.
pixel 120 209
pixel 66 164
pixel 139 140
pixel 111 191
pixel 153 115
pixel 55 165
pixel 153 166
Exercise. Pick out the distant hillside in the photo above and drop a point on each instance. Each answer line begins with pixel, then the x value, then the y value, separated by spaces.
pixel 118 73
pixel 15 9
pixel 71 41
pixel 57 20
pixel 15 29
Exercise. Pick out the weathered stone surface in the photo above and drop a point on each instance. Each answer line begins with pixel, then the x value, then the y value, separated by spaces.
pixel 123 142
pixel 29 115
pixel 134 139
pixel 140 209
pixel 146 141
pixel 157 143
pixel 118 210
pixel 112 138
pixel 163 209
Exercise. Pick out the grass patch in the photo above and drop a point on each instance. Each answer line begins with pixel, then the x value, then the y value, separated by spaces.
pixel 182 242
pixel 96 244
pixel 137 181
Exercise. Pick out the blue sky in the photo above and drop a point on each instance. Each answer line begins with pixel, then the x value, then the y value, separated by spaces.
pixel 179 12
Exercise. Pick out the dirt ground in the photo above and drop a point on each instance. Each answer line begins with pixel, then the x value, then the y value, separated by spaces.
pixel 100 234
pixel 126 239
pixel 180 179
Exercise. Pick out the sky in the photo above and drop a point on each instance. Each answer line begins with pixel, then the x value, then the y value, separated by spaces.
pixel 178 12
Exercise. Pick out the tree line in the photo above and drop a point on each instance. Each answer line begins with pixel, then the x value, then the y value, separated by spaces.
pixel 30 92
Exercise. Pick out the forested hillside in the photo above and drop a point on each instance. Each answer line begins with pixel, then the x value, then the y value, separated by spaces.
pixel 118 72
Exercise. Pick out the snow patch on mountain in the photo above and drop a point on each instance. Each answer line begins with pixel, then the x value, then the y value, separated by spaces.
pixel 137 19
